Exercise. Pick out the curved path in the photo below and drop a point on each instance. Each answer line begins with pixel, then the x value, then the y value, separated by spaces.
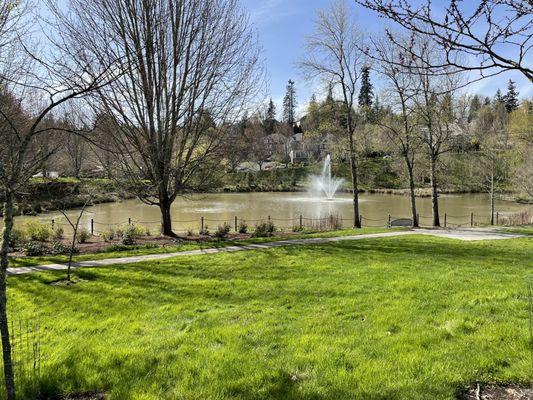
pixel 460 234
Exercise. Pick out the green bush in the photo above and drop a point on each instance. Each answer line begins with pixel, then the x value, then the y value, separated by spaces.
pixel 108 235
pixel 222 231
pixel 131 234
pixel 243 226
pixel 38 231
pixel 58 233
pixel 17 238
pixel 83 235
pixel 36 249
pixel 264 229
pixel 58 248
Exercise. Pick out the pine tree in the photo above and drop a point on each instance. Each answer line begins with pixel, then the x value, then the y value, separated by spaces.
pixel 475 105
pixel 366 93
pixel 289 104
pixel 498 97
pixel 511 97
pixel 270 118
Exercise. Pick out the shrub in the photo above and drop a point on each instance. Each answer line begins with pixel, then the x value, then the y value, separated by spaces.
pixel 131 233
pixel 243 226
pixel 83 235
pixel 205 231
pixel 17 238
pixel 222 231
pixel 58 233
pixel 59 248
pixel 108 235
pixel 264 229
pixel 38 231
pixel 297 228
pixel 190 232
pixel 36 249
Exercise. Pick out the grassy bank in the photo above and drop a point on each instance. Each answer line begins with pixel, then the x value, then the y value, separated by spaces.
pixel 139 250
pixel 392 318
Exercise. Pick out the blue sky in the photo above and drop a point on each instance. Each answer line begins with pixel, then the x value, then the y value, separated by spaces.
pixel 282 26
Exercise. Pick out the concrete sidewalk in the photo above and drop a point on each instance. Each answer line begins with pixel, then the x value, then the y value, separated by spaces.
pixel 460 234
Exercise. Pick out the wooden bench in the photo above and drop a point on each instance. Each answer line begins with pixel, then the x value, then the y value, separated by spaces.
pixel 401 222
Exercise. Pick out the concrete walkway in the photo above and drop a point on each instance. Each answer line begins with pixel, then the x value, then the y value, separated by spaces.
pixel 461 234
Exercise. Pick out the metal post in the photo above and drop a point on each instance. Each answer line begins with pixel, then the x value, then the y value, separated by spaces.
pixel 53 223
pixel 388 223
pixel 269 218
pixel 92 226
pixel 418 219
pixel 202 226
pixel 236 224
pixel 497 217
pixel 361 220
pixel 129 221
pixel 301 222
pixel 445 220
pixel 471 219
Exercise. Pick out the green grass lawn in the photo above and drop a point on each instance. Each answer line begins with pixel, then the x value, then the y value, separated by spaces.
pixel 411 317
pixel 184 246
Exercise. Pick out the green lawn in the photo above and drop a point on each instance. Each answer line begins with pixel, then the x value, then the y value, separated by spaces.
pixel 184 246
pixel 411 317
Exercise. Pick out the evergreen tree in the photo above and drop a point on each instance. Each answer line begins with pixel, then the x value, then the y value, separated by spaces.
pixel 270 118
pixel 366 93
pixel 486 102
pixel 475 105
pixel 511 97
pixel 498 97
pixel 289 104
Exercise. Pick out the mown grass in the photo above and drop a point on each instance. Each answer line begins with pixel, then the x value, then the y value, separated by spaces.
pixel 524 230
pixel 410 317
pixel 183 246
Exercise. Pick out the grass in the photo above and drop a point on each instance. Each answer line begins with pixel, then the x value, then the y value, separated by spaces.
pixel 524 230
pixel 410 317
pixel 16 262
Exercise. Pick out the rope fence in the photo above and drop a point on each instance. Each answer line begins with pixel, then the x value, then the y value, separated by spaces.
pixel 301 222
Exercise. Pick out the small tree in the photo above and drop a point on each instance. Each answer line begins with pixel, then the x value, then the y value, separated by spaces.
pixel 511 97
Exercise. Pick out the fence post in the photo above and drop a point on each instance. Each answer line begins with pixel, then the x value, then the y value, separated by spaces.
pixel 269 218
pixel 497 217
pixel 301 222
pixel 471 219
pixel 361 220
pixel 129 221
pixel 418 219
pixel 388 223
pixel 236 224
pixel 202 226
pixel 53 223
pixel 92 226
pixel 445 220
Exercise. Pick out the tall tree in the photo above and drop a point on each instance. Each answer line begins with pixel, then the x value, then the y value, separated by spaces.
pixel 188 69
pixel 24 79
pixel 366 93
pixel 399 123
pixel 511 97
pixel 289 104
pixel 473 108
pixel 334 56
pixel 270 118
pixel 491 37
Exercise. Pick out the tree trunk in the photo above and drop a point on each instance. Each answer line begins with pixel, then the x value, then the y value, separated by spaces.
pixel 434 191
pixel 355 189
pixel 492 195
pixel 412 193
pixel 166 220
pixel 4 326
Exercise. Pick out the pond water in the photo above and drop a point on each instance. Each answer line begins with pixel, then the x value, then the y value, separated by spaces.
pixel 284 209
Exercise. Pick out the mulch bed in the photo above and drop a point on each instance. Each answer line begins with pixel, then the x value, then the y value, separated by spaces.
pixel 497 392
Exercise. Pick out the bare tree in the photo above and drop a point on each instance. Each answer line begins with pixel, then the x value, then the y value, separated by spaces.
pixel 434 106
pixel 495 33
pixel 399 122
pixel 189 68
pixel 334 55
pixel 30 90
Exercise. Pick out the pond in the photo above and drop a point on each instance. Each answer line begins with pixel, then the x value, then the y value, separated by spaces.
pixel 285 210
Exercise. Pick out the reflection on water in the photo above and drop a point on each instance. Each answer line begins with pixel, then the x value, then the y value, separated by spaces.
pixel 285 209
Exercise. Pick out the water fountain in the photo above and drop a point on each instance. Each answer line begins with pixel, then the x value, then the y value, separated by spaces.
pixel 325 183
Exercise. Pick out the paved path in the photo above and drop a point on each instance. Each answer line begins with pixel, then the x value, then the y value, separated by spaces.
pixel 461 234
